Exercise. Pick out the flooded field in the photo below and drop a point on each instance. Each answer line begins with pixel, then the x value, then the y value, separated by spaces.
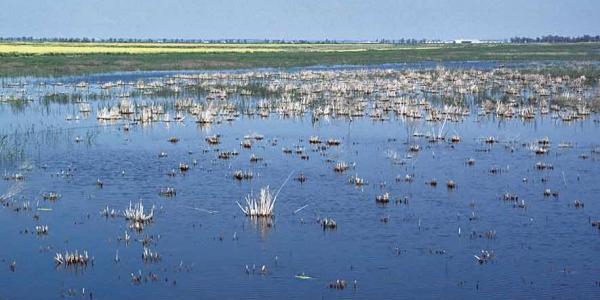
pixel 464 181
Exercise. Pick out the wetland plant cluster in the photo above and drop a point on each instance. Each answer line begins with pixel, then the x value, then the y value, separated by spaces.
pixel 437 100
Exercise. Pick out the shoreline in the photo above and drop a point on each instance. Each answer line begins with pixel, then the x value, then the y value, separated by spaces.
pixel 58 65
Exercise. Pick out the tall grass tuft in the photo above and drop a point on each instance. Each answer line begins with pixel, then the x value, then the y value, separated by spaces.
pixel 259 207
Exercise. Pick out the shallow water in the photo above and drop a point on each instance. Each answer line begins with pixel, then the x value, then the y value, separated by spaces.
pixel 545 250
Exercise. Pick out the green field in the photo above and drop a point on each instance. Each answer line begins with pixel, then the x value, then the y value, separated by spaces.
pixel 56 59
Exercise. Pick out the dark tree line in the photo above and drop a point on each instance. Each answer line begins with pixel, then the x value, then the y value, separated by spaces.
pixel 165 40
pixel 404 41
pixel 556 39
pixel 193 41
pixel 517 40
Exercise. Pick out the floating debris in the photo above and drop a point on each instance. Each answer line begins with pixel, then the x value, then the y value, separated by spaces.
pixel 303 276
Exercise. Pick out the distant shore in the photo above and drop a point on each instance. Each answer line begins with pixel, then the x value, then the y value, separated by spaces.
pixel 60 59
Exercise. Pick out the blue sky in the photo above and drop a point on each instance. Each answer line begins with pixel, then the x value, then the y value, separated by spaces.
pixel 298 19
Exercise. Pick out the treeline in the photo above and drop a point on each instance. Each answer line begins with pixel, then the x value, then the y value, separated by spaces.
pixel 166 40
pixel 228 41
pixel 556 39
pixel 516 40
pixel 406 41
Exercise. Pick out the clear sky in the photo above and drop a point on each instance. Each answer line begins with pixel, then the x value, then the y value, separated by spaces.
pixel 298 19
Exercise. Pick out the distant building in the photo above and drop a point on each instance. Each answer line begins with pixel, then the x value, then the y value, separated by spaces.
pixel 476 41
pixel 467 41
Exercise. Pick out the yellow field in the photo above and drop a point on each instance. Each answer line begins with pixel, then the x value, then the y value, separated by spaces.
pixel 157 48
pixel 65 58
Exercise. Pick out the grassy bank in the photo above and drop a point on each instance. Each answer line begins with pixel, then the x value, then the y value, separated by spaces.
pixel 55 59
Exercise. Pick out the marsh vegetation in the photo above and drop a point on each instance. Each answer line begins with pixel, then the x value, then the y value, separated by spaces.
pixel 158 184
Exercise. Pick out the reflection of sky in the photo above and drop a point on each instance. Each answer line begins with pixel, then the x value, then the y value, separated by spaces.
pixel 290 19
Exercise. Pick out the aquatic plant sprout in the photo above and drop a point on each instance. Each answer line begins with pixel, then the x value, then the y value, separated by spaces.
pixel 136 213
pixel 72 258
pixel 261 207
